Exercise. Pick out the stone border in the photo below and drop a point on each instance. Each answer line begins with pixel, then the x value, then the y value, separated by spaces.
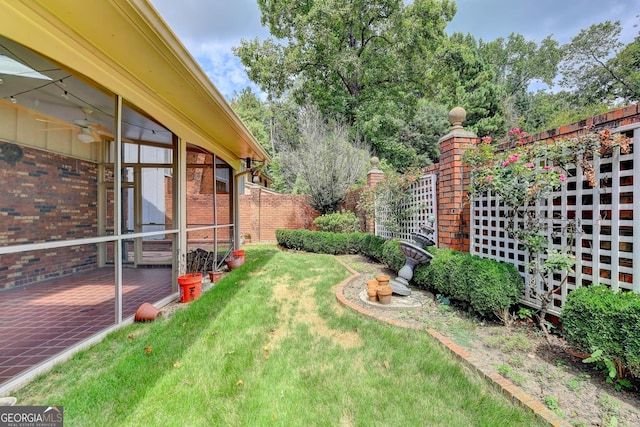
pixel 507 387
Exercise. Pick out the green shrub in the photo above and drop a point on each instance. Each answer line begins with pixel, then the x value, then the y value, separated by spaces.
pixel 489 287
pixel 391 255
pixel 331 243
pixel 596 318
pixel 338 222
pixel 493 286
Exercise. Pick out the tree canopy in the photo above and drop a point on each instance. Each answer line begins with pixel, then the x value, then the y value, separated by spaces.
pixel 387 72
pixel 351 59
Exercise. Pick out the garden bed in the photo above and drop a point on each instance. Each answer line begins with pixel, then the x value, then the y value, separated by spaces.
pixel 543 368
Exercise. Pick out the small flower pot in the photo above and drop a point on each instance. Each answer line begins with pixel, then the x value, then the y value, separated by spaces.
pixel 384 294
pixel 372 284
pixel 146 313
pixel 383 280
pixel 215 276
pixel 233 263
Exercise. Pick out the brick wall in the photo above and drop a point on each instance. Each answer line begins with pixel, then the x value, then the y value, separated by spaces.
pixel 263 211
pixel 46 197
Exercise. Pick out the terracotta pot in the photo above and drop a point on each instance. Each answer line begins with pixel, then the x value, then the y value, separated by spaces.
pixel 190 286
pixel 383 280
pixel 146 313
pixel 215 276
pixel 373 294
pixel 384 294
pixel 233 263
pixel 372 284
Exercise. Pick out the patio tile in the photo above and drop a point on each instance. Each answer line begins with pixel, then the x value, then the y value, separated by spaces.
pixel 44 319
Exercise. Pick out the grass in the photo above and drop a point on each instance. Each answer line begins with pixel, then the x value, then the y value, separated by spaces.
pixel 269 345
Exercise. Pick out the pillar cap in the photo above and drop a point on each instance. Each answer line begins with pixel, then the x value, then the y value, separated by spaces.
pixel 457 116
pixel 374 165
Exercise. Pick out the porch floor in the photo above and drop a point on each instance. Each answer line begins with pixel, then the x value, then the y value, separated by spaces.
pixel 44 319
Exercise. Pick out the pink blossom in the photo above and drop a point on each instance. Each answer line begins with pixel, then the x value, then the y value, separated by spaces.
pixel 562 177
pixel 530 165
pixel 514 131
pixel 487 139
pixel 489 178
pixel 505 163
pixel 547 168
pixel 513 158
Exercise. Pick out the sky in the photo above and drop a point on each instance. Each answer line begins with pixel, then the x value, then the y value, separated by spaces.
pixel 210 28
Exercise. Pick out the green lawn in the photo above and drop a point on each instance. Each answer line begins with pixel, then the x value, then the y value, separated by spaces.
pixel 270 345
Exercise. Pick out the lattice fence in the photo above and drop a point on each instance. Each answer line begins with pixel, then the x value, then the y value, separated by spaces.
pixel 422 205
pixel 605 218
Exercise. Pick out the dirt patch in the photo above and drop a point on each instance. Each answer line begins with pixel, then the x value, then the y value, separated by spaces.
pixel 297 305
pixel 521 353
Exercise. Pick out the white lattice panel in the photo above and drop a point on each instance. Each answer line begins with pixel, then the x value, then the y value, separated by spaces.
pixel 423 202
pixel 605 216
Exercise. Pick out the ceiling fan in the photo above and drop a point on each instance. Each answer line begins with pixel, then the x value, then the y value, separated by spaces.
pixel 89 131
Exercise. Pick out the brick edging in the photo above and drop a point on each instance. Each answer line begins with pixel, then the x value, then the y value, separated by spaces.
pixel 484 369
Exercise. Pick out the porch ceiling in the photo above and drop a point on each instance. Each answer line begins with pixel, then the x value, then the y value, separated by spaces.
pixel 126 47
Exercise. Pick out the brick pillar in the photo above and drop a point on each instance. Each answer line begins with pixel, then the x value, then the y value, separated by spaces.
pixel 453 208
pixel 374 176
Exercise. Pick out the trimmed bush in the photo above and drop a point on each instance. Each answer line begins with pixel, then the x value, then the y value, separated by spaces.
pixel 493 286
pixel 487 286
pixel 331 243
pixel 391 255
pixel 596 318
pixel 338 222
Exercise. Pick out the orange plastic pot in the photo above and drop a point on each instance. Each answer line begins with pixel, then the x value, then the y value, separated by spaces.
pixel 238 253
pixel 190 286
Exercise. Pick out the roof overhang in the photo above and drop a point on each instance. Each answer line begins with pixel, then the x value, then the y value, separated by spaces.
pixel 127 48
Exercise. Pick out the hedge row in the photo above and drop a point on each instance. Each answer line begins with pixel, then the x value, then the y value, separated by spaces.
pixel 596 318
pixel 331 243
pixel 488 287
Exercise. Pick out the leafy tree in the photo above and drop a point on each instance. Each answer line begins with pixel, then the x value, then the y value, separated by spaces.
pixel 597 68
pixel 351 59
pixel 465 78
pixel 422 133
pixel 255 115
pixel 519 62
pixel 324 161
pixel 543 110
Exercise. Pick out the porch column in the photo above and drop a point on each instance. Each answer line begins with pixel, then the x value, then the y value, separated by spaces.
pixel 453 181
